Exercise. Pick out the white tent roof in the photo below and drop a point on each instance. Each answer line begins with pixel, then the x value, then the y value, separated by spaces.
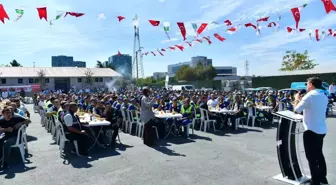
pixel 56 72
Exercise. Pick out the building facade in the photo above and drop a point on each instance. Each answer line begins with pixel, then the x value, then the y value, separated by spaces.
pixel 66 61
pixel 122 64
pixel 56 78
pixel 200 59
pixel 173 68
pixel 159 75
pixel 226 73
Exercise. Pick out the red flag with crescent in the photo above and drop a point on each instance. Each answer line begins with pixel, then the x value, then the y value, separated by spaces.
pixel 202 28
pixel 182 29
pixel 296 15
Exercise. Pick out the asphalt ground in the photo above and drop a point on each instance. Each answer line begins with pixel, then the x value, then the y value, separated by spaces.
pixel 247 156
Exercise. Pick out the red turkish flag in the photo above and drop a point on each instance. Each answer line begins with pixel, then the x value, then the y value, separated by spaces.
pixel 265 19
pixel 199 40
pixel 3 14
pixel 271 24
pixel 202 28
pixel 160 53
pixel 42 13
pixel 228 23
pixel 154 22
pixel 74 14
pixel 302 29
pixel 251 25
pixel 329 5
pixel 120 18
pixel 172 47
pixel 317 35
pixel 189 43
pixel 219 37
pixel 119 54
pixel 163 50
pixel 182 29
pixel 207 39
pixel 296 15
pixel 180 47
pixel 289 29
pixel 330 32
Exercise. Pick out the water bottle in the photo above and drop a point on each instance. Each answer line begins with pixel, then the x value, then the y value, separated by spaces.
pixel 91 118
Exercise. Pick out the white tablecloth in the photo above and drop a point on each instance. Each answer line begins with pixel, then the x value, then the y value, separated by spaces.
pixel 264 108
pixel 222 111
pixel 96 123
pixel 168 115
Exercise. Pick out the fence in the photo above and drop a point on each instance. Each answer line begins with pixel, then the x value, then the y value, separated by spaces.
pixel 282 82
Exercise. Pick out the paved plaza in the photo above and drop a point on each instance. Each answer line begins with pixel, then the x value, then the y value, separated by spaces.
pixel 245 157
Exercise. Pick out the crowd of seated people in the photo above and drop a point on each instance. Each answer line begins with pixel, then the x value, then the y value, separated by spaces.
pixel 14 115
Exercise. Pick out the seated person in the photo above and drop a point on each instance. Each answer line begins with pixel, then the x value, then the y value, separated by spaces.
pixel 10 125
pixel 74 129
pixel 62 111
pixel 212 116
pixel 98 110
pixel 238 109
pixel 187 111
pixel 111 115
pixel 221 104
pixel 174 106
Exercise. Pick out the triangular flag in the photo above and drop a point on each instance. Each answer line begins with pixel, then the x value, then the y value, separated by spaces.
pixel 202 28
pixel 58 16
pixel 182 29
pixel 199 40
pixel 219 37
pixel 195 27
pixel 74 14
pixel 329 5
pixel 265 19
pixel 297 15
pixel 154 22
pixel 163 50
pixel 153 53
pixel 120 18
pixel 19 13
pixel 180 47
pixel 160 52
pixel 3 14
pixel 135 21
pixel 189 43
pixel 101 16
pixel 232 30
pixel 119 54
pixel 228 23
pixel 289 29
pixel 207 39
pixel 42 12
pixel 171 47
pixel 317 35
pixel 271 24
pixel 166 28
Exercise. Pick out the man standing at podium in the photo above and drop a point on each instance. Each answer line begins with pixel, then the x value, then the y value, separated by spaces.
pixel 314 105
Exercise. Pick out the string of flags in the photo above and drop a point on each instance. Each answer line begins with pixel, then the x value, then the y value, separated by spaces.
pixel 257 26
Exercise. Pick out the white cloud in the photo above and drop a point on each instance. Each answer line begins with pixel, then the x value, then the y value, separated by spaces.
pixel 218 9
pixel 171 40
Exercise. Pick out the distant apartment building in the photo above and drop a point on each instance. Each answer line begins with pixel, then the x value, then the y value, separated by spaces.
pixel 172 69
pixel 66 61
pixel 122 64
pixel 159 75
pixel 226 73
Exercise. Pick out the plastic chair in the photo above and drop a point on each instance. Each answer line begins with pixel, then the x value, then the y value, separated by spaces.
pixel 20 142
pixel 251 114
pixel 130 120
pixel 205 120
pixel 63 140
pixel 140 125
pixel 124 120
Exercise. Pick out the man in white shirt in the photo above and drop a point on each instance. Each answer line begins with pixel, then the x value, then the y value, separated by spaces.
pixel 332 91
pixel 4 94
pixel 314 105
pixel 212 103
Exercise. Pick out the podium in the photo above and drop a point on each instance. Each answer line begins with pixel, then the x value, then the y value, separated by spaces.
pixel 287 149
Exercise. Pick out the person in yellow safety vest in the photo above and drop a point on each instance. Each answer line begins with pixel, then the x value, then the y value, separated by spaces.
pixel 50 103
pixel 187 111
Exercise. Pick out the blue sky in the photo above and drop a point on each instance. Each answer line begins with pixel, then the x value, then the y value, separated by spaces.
pixel 89 39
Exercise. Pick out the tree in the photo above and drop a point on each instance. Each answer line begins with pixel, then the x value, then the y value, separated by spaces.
pixel 41 77
pixel 297 61
pixel 88 77
pixel 99 64
pixel 200 72
pixel 14 63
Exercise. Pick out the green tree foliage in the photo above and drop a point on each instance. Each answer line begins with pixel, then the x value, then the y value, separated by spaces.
pixel 104 65
pixel 14 63
pixel 149 81
pixel 199 72
pixel 297 61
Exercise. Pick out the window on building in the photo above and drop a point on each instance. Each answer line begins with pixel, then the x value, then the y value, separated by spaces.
pixel 36 80
pixel 3 81
pixel 79 80
pixel 46 80
pixel 100 79
pixel 224 71
pixel 20 81
pixel 96 80
pixel 31 80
